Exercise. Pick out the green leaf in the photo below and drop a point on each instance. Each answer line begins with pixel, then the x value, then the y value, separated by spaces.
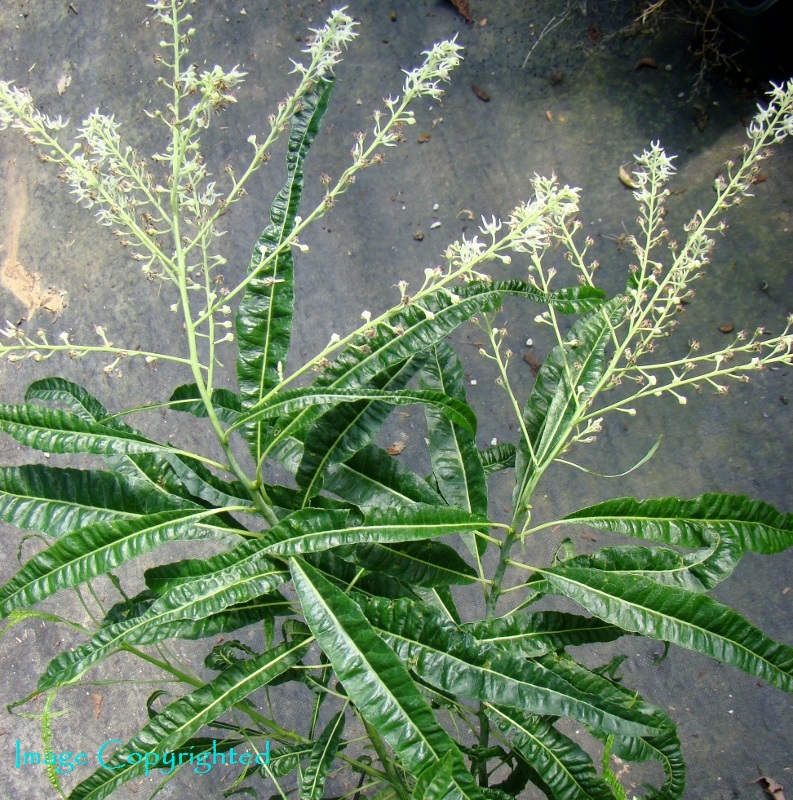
pixel 98 548
pixel 455 460
pixel 412 523
pixel 756 526
pixel 374 479
pixel 435 782
pixel 425 563
pixel 533 634
pixel 497 457
pixel 564 768
pixel 187 398
pixel 441 654
pixel 375 680
pixel 75 398
pixel 312 784
pixel 264 317
pixel 345 429
pixel 56 431
pixel 190 611
pixel 671 614
pixel 564 384
pixel 456 465
pixel 665 749
pixel 55 501
pixel 285 403
pixel 182 719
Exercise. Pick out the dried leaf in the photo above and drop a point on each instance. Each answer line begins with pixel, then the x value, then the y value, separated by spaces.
pixel 480 93
pixel 464 7
pixel 64 82
pixel 395 449
pixel 532 361
pixel 626 179
pixel 98 700
pixel 771 787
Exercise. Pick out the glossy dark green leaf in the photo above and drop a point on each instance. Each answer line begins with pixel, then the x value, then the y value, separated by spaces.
pixel 456 466
pixel 497 457
pixel 348 427
pixel 374 479
pixel 565 769
pixel 55 431
pixel 451 660
pixel 532 634
pixel 663 747
pixel 187 398
pixel 285 403
pixel 183 718
pixel 98 548
pixel 564 383
pixel 436 782
pixel 425 563
pixel 312 783
pixel 409 524
pixel 264 317
pixel 182 609
pixel 375 679
pixel 671 614
pixel 56 501
pixel 758 527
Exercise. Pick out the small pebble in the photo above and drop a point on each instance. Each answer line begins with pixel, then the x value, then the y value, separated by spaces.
pixel 493 442
pixel 529 342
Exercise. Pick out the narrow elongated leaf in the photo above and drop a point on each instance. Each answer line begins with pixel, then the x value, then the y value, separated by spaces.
pixel 539 632
pixel 56 431
pixel 694 621
pixel 344 430
pixel 456 465
pixel 264 317
pixel 436 782
pixel 375 679
pixel 312 785
pixel 424 563
pixel 564 383
pixel 98 548
pixel 374 479
pixel 455 662
pixel 202 483
pixel 225 402
pixel 182 719
pixel 55 501
pixel 196 600
pixel 410 524
pixel 76 399
pixel 497 457
pixel 699 571
pixel 285 403
pixel 565 769
pixel 758 527
pixel 663 747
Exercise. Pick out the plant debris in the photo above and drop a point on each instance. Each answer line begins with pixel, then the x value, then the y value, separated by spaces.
pixel 480 93
pixel 728 327
pixel 464 7
pixel 626 179
pixel 771 787
pixel 395 449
